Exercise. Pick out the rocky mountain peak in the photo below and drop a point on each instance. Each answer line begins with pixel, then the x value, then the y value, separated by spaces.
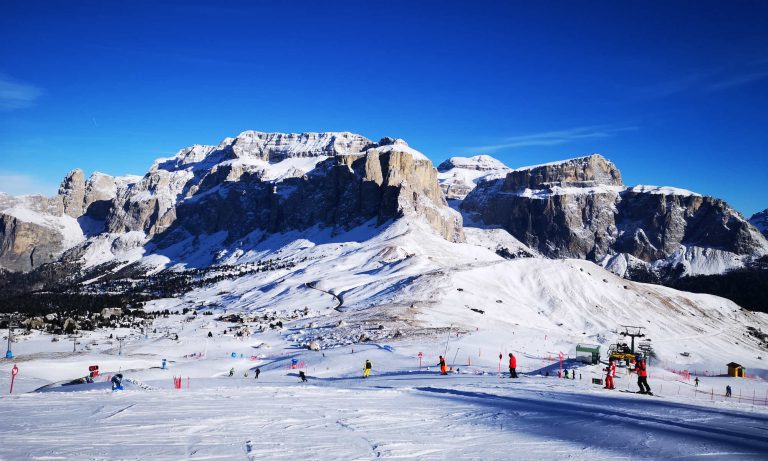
pixel 592 170
pixel 760 221
pixel 579 208
pixel 72 192
pixel 274 147
pixel 478 162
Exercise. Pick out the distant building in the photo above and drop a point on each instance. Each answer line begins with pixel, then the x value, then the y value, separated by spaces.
pixel 735 370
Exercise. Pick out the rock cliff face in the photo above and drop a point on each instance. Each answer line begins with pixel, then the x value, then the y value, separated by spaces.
pixel 565 210
pixel 384 182
pixel 269 182
pixel 34 230
pixel 581 209
pixel 760 221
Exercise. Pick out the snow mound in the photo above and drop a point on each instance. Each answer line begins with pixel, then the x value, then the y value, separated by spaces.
pixel 663 190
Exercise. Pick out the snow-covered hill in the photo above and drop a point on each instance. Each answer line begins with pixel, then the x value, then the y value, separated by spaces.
pixel 401 297
pixel 459 175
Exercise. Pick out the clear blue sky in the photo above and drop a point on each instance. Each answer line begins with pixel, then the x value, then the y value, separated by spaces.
pixel 675 93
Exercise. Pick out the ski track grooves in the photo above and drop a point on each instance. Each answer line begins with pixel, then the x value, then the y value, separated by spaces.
pixel 336 297
pixel 579 410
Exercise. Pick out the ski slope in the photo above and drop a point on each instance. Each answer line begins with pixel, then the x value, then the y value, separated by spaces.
pixel 403 414
pixel 386 294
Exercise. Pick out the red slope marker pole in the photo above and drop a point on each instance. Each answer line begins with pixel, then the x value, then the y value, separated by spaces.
pixel 14 372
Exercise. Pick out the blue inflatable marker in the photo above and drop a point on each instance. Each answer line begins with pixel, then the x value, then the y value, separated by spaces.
pixel 234 355
pixel 9 354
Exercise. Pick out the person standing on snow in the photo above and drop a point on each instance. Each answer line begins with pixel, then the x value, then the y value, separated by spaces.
pixel 443 368
pixel 728 390
pixel 611 372
pixel 303 377
pixel 696 382
pixel 232 371
pixel 117 382
pixel 512 365
pixel 367 368
pixel 642 375
pixel 257 372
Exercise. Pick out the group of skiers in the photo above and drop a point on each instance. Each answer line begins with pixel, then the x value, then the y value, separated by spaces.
pixel 641 368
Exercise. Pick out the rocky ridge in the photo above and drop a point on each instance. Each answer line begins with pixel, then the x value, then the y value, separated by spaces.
pixel 580 208
pixel 760 221
pixel 255 183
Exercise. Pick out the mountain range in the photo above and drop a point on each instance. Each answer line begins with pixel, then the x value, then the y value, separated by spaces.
pixel 210 205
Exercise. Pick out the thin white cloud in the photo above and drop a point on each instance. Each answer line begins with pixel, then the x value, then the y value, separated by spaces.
pixel 17 95
pixel 716 79
pixel 553 138
pixel 738 81
pixel 23 184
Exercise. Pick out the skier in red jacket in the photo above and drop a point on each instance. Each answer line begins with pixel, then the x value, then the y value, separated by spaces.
pixel 642 375
pixel 512 366
pixel 443 366
pixel 611 372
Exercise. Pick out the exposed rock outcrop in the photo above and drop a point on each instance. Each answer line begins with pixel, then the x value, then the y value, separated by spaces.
pixel 760 221
pixel 72 193
pixel 563 210
pixel 34 230
pixel 384 182
pixel 581 209
pixel 270 182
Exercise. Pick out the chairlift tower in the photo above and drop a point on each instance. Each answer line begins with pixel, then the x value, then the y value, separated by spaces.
pixel 632 332
pixel 74 337
pixel 120 340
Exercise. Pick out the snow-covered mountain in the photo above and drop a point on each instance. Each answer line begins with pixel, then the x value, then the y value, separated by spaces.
pixel 459 175
pixel 211 205
pixel 760 221
pixel 580 208
pixel 244 188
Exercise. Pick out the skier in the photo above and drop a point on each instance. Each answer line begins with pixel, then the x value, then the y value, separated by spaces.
pixel 611 373
pixel 512 366
pixel 642 375
pixel 728 390
pixel 232 371
pixel 303 377
pixel 257 372
pixel 443 368
pixel 367 368
pixel 565 372
pixel 117 382
pixel 210 334
pixel 696 382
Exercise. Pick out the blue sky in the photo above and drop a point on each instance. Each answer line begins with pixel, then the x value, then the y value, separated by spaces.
pixel 675 93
